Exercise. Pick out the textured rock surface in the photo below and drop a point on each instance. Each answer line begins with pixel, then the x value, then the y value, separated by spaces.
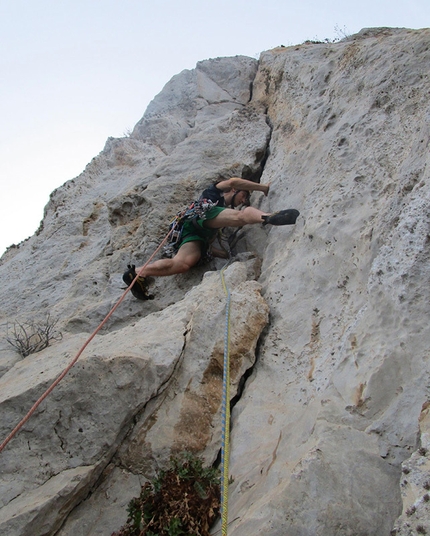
pixel 415 486
pixel 330 428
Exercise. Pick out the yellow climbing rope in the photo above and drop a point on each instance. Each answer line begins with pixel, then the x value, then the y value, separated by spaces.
pixel 225 415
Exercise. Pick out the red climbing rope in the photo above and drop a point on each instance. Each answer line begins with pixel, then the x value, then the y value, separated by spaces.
pixel 66 370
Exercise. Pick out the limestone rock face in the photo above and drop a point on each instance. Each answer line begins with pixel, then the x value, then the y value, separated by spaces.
pixel 192 99
pixel 330 317
pixel 415 485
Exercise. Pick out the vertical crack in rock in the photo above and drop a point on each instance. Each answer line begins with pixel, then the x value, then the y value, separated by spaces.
pixel 241 386
pixel 249 371
pixel 161 389
pixel 201 402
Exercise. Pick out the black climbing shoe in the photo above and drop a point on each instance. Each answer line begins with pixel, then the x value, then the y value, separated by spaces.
pixel 283 217
pixel 140 288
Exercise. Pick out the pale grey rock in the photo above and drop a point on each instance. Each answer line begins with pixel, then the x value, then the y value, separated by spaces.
pixel 42 510
pixel 87 416
pixel 329 427
pixel 189 419
pixel 106 508
pixel 190 99
pixel 341 375
pixel 415 486
pixel 186 413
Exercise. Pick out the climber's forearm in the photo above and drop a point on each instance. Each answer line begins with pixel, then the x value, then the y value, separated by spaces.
pixel 243 184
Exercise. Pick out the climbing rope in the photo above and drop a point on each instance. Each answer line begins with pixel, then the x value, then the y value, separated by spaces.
pixel 225 414
pixel 87 342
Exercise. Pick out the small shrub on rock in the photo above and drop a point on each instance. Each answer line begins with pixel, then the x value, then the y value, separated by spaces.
pixel 183 500
pixel 32 337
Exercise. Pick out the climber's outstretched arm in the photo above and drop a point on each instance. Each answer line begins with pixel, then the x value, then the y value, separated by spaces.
pixel 235 183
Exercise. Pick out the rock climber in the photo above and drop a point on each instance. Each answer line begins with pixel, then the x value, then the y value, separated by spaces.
pixel 197 236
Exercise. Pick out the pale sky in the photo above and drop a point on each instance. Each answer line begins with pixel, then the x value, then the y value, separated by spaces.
pixel 75 72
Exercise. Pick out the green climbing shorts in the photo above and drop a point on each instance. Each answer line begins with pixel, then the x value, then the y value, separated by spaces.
pixel 206 235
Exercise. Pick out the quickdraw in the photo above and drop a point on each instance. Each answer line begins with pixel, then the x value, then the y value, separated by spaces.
pixel 195 210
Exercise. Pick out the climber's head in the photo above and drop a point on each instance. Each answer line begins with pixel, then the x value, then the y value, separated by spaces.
pixel 234 198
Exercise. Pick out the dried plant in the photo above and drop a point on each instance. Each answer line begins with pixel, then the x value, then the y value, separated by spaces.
pixel 182 501
pixel 31 337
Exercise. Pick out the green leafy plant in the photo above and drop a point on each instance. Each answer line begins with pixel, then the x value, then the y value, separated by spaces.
pixel 183 500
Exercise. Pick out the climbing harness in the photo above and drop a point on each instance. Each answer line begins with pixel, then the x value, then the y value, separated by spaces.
pixel 66 370
pixel 196 210
pixel 225 413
